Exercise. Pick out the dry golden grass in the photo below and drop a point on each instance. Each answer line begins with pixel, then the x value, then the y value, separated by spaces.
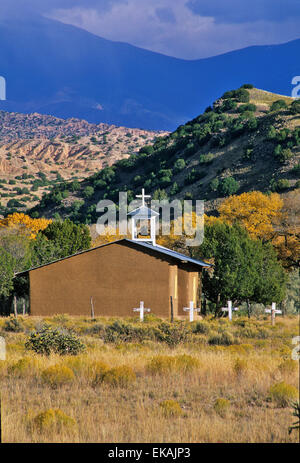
pixel 263 97
pixel 197 383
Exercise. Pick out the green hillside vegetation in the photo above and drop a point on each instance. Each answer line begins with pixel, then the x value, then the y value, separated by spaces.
pixel 247 140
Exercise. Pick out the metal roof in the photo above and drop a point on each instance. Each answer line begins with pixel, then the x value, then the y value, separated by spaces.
pixel 157 248
pixel 143 212
pixel 171 253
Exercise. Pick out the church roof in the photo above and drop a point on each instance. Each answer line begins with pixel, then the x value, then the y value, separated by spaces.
pixel 159 249
pixel 171 253
pixel 143 212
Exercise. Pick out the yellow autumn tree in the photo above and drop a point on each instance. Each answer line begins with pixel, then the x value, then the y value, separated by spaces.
pixel 256 211
pixel 24 224
pixel 287 230
pixel 111 234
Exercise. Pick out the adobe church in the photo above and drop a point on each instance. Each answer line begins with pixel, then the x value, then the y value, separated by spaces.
pixel 115 277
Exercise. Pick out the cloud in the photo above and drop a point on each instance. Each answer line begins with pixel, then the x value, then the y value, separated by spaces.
pixel 187 29
pixel 237 11
pixel 173 28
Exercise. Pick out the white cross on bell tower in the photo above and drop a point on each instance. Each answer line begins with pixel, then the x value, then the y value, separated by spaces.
pixel 143 221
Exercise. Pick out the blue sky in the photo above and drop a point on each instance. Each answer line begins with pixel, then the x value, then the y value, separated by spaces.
pixel 188 29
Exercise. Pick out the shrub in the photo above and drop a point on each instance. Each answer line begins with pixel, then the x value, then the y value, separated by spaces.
pixel 282 394
pixel 162 364
pixel 57 375
pixel 221 406
pixel 277 105
pixel 240 348
pixel 283 154
pixel 227 105
pixel 121 376
pixel 296 169
pixel 201 328
pixel 240 366
pixel 206 158
pixel 21 366
pixel 120 331
pixel 242 95
pixel 221 339
pixel 186 363
pixel 228 186
pixel 249 86
pixel 50 420
pixel 47 340
pixel 279 185
pixel 179 165
pixel 96 370
pixel 172 334
pixel 14 325
pixel 214 184
pixel 171 408
pixel 295 107
pixel 247 107
pixel 88 192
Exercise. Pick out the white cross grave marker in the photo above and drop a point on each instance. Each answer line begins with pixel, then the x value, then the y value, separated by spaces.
pixel 2 348
pixel 191 309
pixel 273 312
pixel 229 309
pixel 141 309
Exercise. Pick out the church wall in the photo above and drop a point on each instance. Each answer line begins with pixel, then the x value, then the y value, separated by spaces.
pixel 117 276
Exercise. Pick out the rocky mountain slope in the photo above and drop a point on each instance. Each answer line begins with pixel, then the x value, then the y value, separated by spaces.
pixel 38 150
pixel 247 140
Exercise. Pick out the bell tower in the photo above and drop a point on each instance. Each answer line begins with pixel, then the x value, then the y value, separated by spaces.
pixel 143 222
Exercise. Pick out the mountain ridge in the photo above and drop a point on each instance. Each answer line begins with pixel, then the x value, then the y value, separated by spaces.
pixel 247 140
pixel 58 69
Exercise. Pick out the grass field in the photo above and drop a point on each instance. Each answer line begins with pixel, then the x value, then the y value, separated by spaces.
pixel 216 382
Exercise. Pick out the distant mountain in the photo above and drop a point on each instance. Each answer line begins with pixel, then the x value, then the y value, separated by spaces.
pixel 54 68
pixel 38 151
pixel 244 142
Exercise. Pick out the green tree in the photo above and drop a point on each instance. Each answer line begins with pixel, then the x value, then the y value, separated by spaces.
pixel 7 265
pixel 88 192
pixel 277 105
pixel 243 269
pixel 67 237
pixel 228 186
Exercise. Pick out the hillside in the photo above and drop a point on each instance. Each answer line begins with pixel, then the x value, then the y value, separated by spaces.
pixel 58 69
pixel 241 143
pixel 37 150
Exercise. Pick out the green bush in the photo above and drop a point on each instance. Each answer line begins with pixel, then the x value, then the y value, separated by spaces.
pixel 179 165
pixel 14 325
pixel 173 334
pixel 120 331
pixel 47 340
pixel 214 184
pixel 201 328
pixel 247 107
pixel 249 86
pixel 206 158
pixel 296 169
pixel 295 107
pixel 282 394
pixel 277 105
pixel 279 185
pixel 221 339
pixel 228 186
